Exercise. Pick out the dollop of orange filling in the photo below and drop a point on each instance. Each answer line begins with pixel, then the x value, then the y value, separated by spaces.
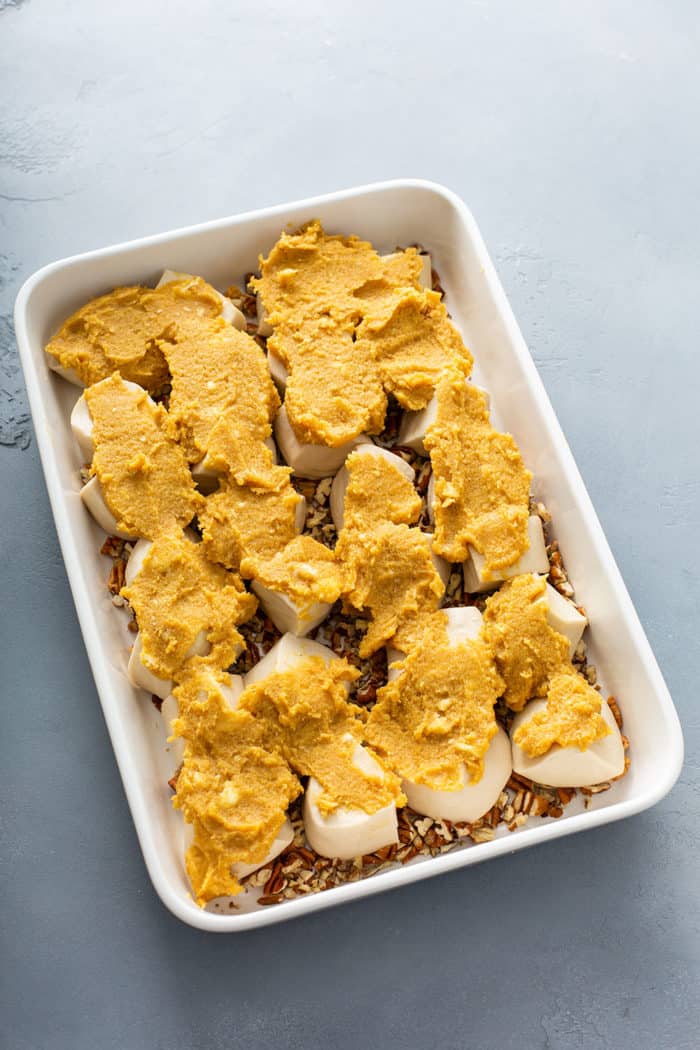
pixel 218 375
pixel 389 573
pixel 310 273
pixel 241 449
pixel 127 330
pixel 241 766
pixel 318 731
pixel 305 571
pixel 235 785
pixel 482 487
pixel 144 475
pixel 253 514
pixel 571 718
pixel 179 593
pixel 349 326
pixel 242 522
pixel 388 568
pixel 526 649
pixel 413 341
pixel 377 491
pixel 438 715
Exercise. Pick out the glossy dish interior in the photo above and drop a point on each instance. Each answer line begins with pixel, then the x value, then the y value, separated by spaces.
pixel 389 214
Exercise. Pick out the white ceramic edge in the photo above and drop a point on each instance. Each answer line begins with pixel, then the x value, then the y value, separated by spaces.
pixel 187 910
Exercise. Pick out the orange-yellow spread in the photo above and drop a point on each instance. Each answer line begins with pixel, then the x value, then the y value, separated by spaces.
pixel 413 341
pixel 438 714
pixel 144 475
pixel 241 521
pixel 526 649
pixel 222 402
pixel 333 393
pixel 234 786
pixel 319 730
pixel 388 567
pixel 238 447
pixel 377 491
pixel 389 573
pixel 218 373
pixel 481 484
pixel 533 660
pixel 571 718
pixel 176 594
pixel 238 775
pixel 342 319
pixel 308 284
pixel 310 273
pixel 126 331
pixel 305 571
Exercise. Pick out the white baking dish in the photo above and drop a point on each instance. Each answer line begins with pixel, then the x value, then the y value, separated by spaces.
pixel 389 214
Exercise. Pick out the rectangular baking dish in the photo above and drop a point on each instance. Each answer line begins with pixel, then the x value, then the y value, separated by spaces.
pixel 401 212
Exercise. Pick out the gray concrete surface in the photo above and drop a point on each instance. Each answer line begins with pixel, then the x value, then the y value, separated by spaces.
pixel 572 131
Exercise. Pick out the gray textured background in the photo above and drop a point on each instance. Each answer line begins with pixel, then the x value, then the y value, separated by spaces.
pixel 572 131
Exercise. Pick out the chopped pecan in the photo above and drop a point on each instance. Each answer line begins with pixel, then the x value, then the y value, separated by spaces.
pixel 116 578
pixel 616 713
pixel 112 547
